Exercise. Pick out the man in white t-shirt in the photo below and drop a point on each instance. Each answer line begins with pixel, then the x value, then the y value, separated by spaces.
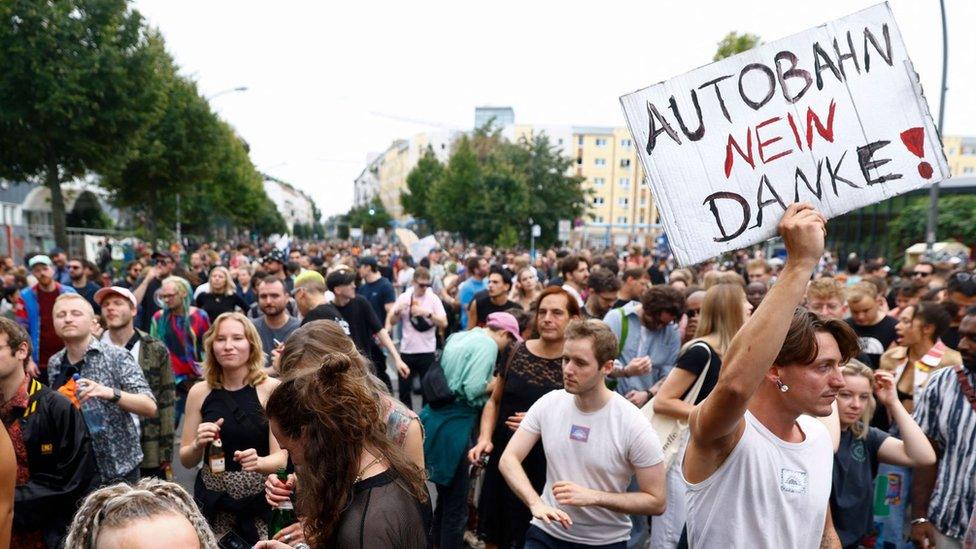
pixel 758 467
pixel 595 442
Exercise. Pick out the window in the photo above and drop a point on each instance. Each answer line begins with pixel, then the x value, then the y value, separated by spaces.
pixel 623 201
pixel 560 140
pixel 643 201
pixel 625 163
pixel 599 181
pixel 601 142
pixel 625 182
pixel 599 219
pixel 622 220
pixel 581 141
pixel 597 200
pixel 967 170
pixel 626 143
pixel 642 220
pixel 601 161
pixel 579 159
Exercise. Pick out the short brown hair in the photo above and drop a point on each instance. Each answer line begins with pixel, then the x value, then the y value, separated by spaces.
pixel 604 340
pixel 801 346
pixel 16 336
pixel 570 263
pixel 827 288
pixel 759 263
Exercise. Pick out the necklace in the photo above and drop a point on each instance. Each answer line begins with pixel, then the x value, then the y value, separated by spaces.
pixel 362 471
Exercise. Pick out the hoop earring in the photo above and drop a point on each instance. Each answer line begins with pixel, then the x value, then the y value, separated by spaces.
pixel 782 386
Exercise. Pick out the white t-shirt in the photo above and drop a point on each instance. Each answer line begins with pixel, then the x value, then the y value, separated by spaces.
pixel 769 493
pixel 598 450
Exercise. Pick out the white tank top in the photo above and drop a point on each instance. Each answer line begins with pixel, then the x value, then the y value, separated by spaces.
pixel 768 494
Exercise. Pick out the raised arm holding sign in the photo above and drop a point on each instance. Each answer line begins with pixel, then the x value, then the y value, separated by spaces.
pixel 758 466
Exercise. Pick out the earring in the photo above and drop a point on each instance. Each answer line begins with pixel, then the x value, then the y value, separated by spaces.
pixel 782 386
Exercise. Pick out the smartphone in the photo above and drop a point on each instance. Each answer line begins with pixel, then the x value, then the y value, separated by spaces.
pixel 233 541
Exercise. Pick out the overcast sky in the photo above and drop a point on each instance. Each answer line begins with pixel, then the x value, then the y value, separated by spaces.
pixel 330 82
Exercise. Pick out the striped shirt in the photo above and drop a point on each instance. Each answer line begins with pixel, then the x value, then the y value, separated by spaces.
pixel 947 418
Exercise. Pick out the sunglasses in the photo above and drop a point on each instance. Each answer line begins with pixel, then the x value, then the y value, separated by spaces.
pixel 691 313
pixel 74 267
pixel 916 274
pixel 424 284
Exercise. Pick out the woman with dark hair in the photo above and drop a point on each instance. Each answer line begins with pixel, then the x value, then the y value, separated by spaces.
pixel 919 353
pixel 358 487
pixel 920 328
pixel 533 369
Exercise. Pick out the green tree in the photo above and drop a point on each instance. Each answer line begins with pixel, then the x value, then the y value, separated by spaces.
pixel 420 180
pixel 956 215
pixel 80 82
pixel 492 188
pixel 452 197
pixel 734 43
pixel 177 155
pixel 369 216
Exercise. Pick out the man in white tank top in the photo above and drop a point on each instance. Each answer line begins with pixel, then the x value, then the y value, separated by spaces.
pixel 758 467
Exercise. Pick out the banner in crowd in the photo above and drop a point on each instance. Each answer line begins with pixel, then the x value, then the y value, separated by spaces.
pixel 834 116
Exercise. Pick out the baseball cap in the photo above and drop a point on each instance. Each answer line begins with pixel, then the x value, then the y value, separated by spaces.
pixel 162 255
pixel 506 322
pixel 340 278
pixel 40 258
pixel 101 294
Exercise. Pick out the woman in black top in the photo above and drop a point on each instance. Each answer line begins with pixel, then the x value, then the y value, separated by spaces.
pixel 724 310
pixel 230 404
pixel 359 489
pixel 533 369
pixel 222 296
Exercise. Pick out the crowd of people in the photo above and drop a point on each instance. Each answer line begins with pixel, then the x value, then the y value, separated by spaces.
pixel 338 395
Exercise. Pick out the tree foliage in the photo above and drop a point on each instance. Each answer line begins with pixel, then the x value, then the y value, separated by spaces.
pixel 734 43
pixel 419 182
pixel 369 217
pixel 80 82
pixel 493 190
pixel 955 221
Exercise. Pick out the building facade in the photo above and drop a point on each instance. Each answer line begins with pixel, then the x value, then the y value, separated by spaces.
pixel 961 154
pixel 295 206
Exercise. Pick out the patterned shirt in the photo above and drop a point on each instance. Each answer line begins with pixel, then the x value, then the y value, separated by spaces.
pixel 947 418
pixel 183 338
pixel 117 448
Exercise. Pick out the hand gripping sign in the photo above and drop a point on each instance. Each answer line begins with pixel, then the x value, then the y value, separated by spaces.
pixel 833 116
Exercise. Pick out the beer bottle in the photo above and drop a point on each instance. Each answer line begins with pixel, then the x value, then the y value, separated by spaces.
pixel 217 455
pixel 283 515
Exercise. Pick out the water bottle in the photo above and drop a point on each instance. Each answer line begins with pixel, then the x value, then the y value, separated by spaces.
pixel 94 415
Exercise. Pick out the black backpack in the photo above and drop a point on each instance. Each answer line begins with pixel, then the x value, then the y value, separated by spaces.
pixel 434 386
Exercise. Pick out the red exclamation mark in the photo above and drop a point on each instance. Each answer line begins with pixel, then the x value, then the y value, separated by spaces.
pixel 914 140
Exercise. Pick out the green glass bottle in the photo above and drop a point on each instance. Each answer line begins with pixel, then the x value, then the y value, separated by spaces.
pixel 283 515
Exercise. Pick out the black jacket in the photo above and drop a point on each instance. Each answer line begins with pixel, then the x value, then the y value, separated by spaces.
pixel 60 460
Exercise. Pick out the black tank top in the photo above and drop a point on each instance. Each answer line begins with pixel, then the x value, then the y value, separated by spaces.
pixel 246 429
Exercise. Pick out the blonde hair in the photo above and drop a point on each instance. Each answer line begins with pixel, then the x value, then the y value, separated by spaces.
pixel 214 373
pixel 826 288
pixel 85 304
pixel 862 290
pixel 714 278
pixel 230 287
pixel 722 315
pixel 119 505
pixel 855 367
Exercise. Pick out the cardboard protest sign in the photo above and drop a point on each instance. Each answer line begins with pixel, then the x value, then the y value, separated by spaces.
pixel 833 116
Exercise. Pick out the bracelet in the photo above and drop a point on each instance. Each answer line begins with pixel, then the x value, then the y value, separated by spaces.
pixel 919 520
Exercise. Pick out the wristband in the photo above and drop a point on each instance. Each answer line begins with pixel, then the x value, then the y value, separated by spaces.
pixel 919 520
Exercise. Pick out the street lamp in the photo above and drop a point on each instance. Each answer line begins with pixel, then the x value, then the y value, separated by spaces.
pixel 225 92
pixel 932 221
